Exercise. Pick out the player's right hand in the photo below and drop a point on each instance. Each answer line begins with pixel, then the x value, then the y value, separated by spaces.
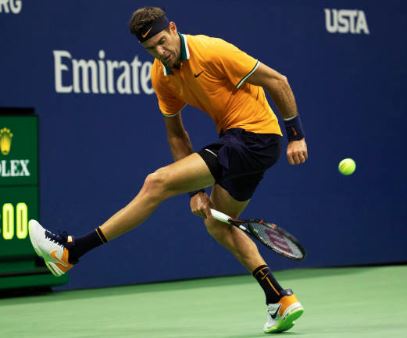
pixel 201 205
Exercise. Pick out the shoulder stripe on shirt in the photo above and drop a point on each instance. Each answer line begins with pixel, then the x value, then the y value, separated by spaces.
pixel 242 81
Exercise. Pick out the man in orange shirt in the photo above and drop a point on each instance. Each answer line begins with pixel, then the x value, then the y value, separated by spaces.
pixel 226 83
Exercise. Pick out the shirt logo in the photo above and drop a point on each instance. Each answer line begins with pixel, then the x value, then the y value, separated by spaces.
pixel 198 74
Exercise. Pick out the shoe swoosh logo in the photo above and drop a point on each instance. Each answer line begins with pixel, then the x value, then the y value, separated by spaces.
pixel 198 74
pixel 274 315
pixel 146 33
pixel 53 254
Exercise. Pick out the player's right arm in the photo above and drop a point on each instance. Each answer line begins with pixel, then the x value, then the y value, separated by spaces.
pixel 170 107
pixel 181 146
pixel 177 136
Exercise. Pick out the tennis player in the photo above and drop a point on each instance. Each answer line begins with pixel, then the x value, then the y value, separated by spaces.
pixel 229 85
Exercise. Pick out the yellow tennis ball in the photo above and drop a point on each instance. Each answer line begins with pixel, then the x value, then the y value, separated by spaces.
pixel 347 166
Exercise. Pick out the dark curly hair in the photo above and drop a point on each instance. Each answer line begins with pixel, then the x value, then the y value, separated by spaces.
pixel 144 17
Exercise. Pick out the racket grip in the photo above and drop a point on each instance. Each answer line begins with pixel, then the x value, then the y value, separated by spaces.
pixel 220 216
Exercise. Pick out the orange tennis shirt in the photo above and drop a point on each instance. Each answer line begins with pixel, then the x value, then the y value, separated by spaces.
pixel 212 77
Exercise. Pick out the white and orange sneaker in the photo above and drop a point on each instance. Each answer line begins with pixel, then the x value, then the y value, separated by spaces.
pixel 51 247
pixel 281 315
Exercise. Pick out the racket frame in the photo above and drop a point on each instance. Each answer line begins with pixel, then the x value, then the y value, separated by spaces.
pixel 220 216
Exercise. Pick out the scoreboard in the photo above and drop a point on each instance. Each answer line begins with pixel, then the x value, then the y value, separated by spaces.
pixel 19 202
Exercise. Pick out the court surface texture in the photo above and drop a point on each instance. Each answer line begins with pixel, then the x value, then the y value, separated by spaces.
pixel 339 302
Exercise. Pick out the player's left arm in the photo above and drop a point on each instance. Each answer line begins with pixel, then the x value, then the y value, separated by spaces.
pixel 278 87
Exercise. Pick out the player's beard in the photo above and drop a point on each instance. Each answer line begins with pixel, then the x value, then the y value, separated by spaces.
pixel 170 63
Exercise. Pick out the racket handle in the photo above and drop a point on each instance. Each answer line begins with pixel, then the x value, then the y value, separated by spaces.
pixel 220 216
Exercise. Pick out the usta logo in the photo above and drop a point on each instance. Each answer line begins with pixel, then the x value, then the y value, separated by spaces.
pixel 346 21
pixel 11 6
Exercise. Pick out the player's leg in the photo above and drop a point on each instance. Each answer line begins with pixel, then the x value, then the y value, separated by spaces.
pixel 61 252
pixel 188 174
pixel 236 241
pixel 282 305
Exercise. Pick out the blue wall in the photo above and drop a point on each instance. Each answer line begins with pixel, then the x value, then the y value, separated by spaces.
pixel 94 153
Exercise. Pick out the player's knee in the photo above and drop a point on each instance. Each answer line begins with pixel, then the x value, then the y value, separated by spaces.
pixel 155 184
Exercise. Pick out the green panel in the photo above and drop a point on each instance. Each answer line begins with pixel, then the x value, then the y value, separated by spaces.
pixel 18 150
pixel 19 194
pixel 17 206
pixel 34 280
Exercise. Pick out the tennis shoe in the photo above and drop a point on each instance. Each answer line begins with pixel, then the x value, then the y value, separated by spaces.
pixel 53 248
pixel 281 315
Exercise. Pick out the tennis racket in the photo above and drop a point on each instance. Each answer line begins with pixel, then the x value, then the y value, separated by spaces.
pixel 271 235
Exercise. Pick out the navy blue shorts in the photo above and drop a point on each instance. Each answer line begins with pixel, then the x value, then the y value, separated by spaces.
pixel 239 159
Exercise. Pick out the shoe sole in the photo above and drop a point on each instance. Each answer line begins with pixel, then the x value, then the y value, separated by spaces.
pixel 287 323
pixel 54 270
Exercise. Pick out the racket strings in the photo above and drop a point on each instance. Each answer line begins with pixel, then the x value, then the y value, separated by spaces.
pixel 275 239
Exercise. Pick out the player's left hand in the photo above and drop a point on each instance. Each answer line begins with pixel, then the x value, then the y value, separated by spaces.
pixel 297 152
